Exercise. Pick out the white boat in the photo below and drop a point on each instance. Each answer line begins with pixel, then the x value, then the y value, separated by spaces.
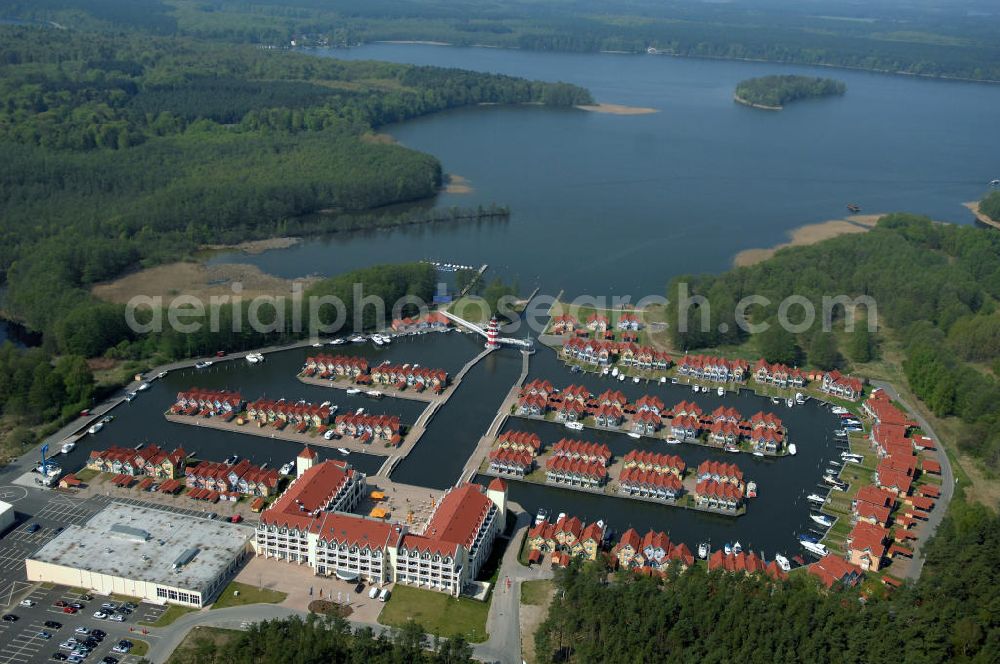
pixel 325 404
pixel 562 515
pixel 96 427
pixel 635 379
pixel 774 400
pixel 142 387
pixel 541 516
pixel 815 547
pixel 672 441
pixel 663 380
pixel 816 498
pixel 575 426
pixel 732 448
pixel 822 519
pixel 800 398
pixel 255 358
pixel 853 459
pixel 703 550
pixel 287 469
pixel 358 339
pixel 633 434
pixel 359 411
pixel 834 482
pixel 727 549
pixel 839 410
pixel 721 391
pixel 695 388
pixel 751 489
pixel 789 402
pixel 737 548
pixel 337 342
pixel 68 447
pixel 317 345
pixel 621 378
pixel 758 453
pixel 614 372
pixel 374 394
pixel 378 341
pixel 792 449
pixel 204 364
pixel 343 450
pixel 162 374
pixel 783 563
pixel 353 390
pixel 130 396
pixel 330 433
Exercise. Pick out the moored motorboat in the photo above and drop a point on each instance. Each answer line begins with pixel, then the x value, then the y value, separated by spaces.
pixel 633 434
pixel 673 441
pixel 816 498
pixel 806 537
pixel 374 394
pixel 721 391
pixel 68 447
pixel 97 426
pixel 287 468
pixel 204 364
pixel 727 549
pixel 541 515
pixel 353 390
pixel 822 519
pixel 774 400
pixel 751 489
pixel 343 450
pixel 815 547
pixel 703 550
pixel 142 387
pixel 792 449
pixel 575 426
pixel 758 453
pixel 614 372
pixel 737 548
pixel 783 563
pixel 731 448
pixel 789 402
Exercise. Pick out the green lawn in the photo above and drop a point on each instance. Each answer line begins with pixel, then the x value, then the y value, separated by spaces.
pixel 437 613
pixel 247 595
pixel 86 474
pixel 536 593
pixel 139 648
pixel 216 635
pixel 173 612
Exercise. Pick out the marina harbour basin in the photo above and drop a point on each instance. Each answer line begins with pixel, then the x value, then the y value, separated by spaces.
pixel 770 525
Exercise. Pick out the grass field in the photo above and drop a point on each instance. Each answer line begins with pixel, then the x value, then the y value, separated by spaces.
pixel 86 474
pixel 438 613
pixel 214 634
pixel 536 593
pixel 247 595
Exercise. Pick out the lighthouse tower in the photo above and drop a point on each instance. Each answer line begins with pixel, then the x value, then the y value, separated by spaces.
pixel 493 334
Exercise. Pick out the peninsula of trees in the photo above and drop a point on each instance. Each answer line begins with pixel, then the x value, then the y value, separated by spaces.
pixel 126 150
pixel 773 92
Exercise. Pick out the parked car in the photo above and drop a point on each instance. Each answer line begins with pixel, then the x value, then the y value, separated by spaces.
pixel 66 645
pixel 58 656
pixel 69 609
pixel 32 528
pixel 74 659
pixel 109 660
pixel 10 617
pixel 86 598
pixel 109 605
pixel 52 624
pixel 82 630
pixel 131 606
pixel 384 595
pixel 26 602
pixel 43 635
pixel 360 588
pixel 373 593
pixel 59 602
pixel 98 634
pixel 100 615
pixel 117 618
pixel 78 605
pixel 236 518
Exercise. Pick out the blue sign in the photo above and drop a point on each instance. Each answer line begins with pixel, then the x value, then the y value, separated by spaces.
pixel 45 450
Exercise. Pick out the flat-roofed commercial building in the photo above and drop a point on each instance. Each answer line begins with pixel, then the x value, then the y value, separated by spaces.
pixel 148 553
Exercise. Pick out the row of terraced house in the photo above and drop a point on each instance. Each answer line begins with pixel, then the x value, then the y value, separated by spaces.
pixel 150 461
pixel 208 402
pixel 599 352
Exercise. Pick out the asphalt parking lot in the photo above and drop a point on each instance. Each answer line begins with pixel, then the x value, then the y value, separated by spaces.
pixel 21 642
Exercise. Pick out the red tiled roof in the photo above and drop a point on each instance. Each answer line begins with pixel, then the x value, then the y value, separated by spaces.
pixel 866 536
pixel 308 453
pixel 830 569
pixel 308 493
pixel 459 515
pixel 655 459
pixel 720 469
pixel 497 484
pixel 355 530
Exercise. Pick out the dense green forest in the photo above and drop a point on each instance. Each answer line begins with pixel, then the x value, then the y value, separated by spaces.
pixel 954 40
pixel 950 614
pixel 126 150
pixel 776 91
pixel 990 206
pixel 315 640
pixel 936 287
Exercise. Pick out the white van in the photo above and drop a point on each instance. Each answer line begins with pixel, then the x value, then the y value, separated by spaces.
pixel 373 593
pixel 384 595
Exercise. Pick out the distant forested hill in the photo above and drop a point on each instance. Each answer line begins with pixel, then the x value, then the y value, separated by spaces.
pixel 956 39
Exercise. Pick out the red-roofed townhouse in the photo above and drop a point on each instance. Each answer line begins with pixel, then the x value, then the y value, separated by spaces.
pixel 723 496
pixel 832 570
pixel 563 324
pixel 866 545
pixel 839 385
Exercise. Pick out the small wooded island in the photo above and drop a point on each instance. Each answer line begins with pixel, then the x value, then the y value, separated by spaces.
pixel 773 92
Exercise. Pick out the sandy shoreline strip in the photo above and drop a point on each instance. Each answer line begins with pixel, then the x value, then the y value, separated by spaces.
pixel 617 109
pixel 974 208
pixel 255 246
pixel 456 184
pixel 810 234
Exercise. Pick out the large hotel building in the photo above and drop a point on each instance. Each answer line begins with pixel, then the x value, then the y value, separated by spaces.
pixel 310 524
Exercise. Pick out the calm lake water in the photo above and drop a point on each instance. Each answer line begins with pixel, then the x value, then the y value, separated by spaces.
pixel 618 204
